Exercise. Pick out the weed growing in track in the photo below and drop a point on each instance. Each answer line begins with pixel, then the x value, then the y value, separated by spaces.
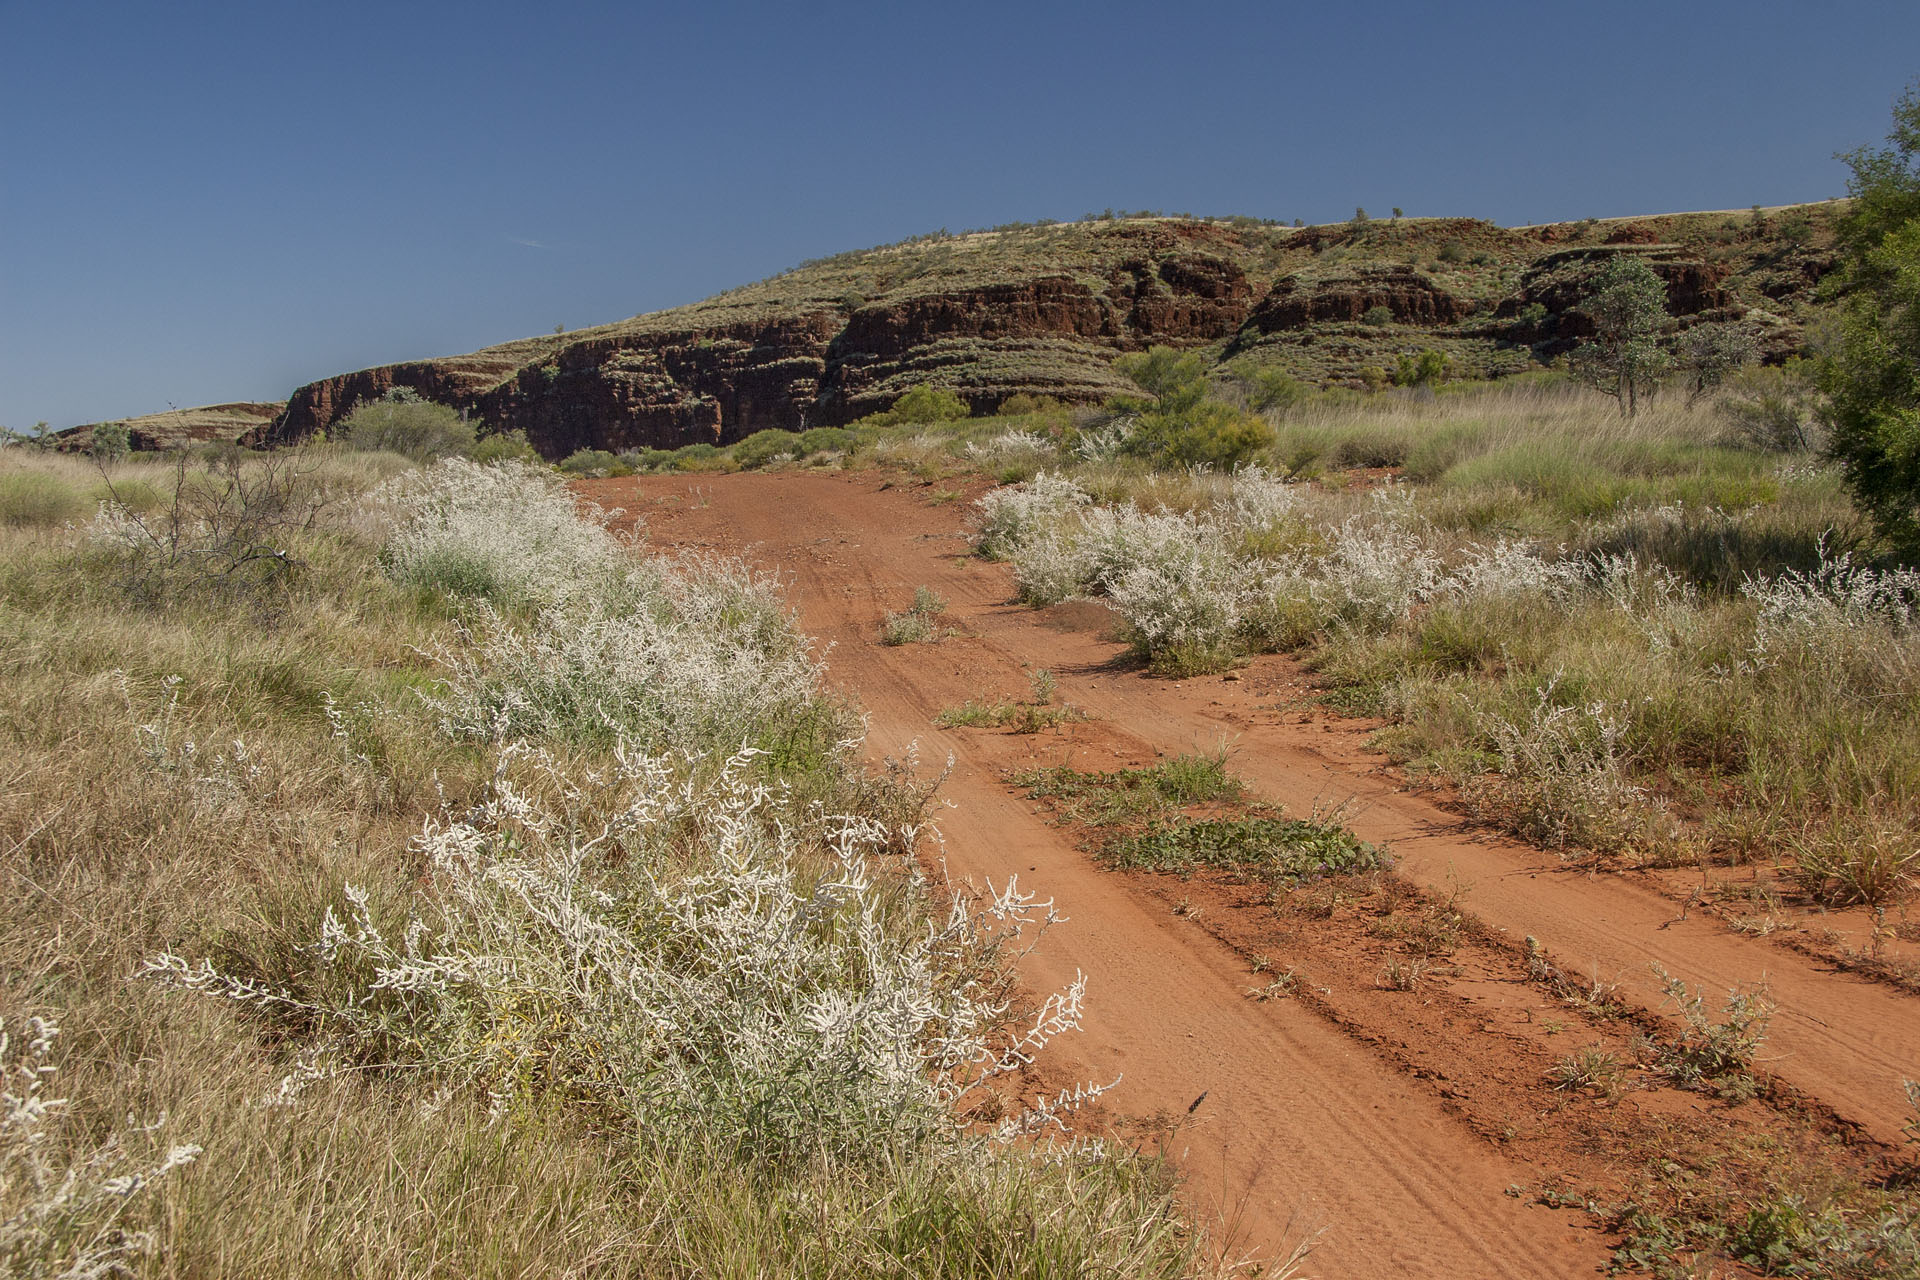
pixel 1715 1057
pixel 1146 822
pixel 919 624
pixel 1592 1070
pixel 1282 849
pixel 1019 717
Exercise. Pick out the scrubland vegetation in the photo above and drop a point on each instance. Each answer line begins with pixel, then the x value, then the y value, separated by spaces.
pixel 1646 638
pixel 1661 638
pixel 406 876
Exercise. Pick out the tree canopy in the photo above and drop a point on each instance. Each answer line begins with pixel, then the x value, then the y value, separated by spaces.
pixel 1872 374
pixel 1627 303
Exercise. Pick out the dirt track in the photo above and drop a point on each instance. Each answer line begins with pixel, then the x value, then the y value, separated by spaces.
pixel 1304 1124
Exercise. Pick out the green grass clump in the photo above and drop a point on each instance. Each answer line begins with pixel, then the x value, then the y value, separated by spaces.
pixel 1020 717
pixel 35 498
pixel 1147 822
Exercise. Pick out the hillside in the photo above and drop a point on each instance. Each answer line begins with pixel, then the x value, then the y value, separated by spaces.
pixel 177 428
pixel 1044 309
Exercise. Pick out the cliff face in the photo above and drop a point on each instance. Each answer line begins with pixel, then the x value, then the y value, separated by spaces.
pixel 1557 281
pixel 1045 309
pixel 666 389
pixel 1408 296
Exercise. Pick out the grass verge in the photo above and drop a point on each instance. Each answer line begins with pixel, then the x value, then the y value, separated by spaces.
pixel 450 872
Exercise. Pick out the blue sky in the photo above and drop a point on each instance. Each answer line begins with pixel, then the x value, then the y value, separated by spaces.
pixel 204 202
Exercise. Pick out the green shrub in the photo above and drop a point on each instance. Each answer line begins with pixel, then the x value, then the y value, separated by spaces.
pixel 1209 433
pixel 589 462
pixel 699 457
pixel 1022 403
pixel 650 459
pixel 1773 408
pixel 1162 371
pixel 1377 316
pixel 1181 424
pixel 923 405
pixel 401 422
pixel 827 440
pixel 762 447
pixel 504 446
pixel 1422 370
pixel 1268 388
pixel 111 442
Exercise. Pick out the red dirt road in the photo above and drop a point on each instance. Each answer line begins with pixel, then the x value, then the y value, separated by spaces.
pixel 1302 1126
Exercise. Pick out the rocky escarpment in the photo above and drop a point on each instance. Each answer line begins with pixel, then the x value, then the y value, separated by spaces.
pixel 664 385
pixel 1404 294
pixel 180 428
pixel 1045 309
pixel 665 389
pixel 1545 310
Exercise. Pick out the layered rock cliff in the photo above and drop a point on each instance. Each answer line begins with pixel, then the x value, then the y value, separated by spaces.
pixel 1044 309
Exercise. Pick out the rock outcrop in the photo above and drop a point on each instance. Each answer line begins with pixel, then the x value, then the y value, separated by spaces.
pixel 1408 296
pixel 1558 281
pixel 1044 310
pixel 180 428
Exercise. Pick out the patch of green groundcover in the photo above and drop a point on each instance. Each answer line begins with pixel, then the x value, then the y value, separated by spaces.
pixel 1291 849
pixel 1145 819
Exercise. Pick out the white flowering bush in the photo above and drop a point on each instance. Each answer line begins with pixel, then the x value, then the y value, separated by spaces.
pixel 1051 564
pixel 1183 606
pixel 61 1212
pixel 507 532
pixel 1373 573
pixel 1010 447
pixel 1171 575
pixel 1258 501
pixel 1012 515
pixel 1565 774
pixel 1836 595
pixel 1114 541
pixel 1106 441
pixel 679 669
pixel 657 943
pixel 1506 570
pixel 1636 586
pixel 692 654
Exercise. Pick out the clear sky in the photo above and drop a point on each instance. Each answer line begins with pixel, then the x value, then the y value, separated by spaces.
pixel 204 201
